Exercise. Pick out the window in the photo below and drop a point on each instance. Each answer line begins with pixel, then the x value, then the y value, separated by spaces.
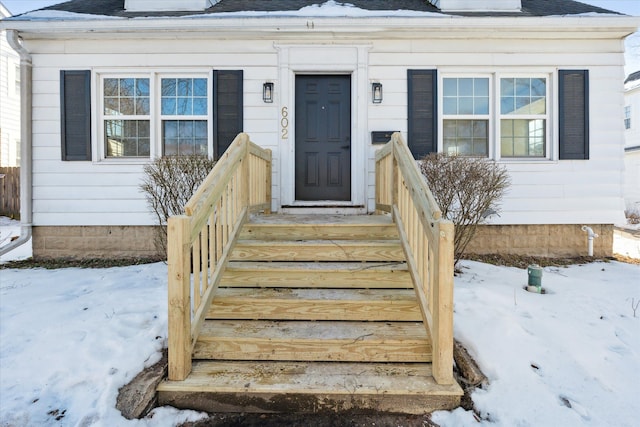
pixel 135 108
pixel 127 110
pixel 513 109
pixel 627 117
pixel 523 107
pixel 466 116
pixel 184 116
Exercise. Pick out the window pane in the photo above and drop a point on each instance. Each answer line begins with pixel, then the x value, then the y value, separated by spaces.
pixel 465 87
pixel 168 87
pixel 126 87
pixel 522 138
pixel 168 106
pixel 466 96
pixel 466 137
pixel 530 96
pixel 450 106
pixel 126 97
pixel 184 97
pixel 200 87
pixel 184 137
pixel 450 87
pixel 465 105
pixel 127 138
pixel 110 87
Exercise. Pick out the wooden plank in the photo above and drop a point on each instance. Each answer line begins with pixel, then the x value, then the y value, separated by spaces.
pixel 323 275
pixel 317 250
pixel 319 231
pixel 315 304
pixel 313 341
pixel 443 303
pixel 179 294
pixel 301 387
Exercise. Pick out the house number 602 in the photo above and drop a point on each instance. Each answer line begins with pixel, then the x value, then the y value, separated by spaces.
pixel 284 122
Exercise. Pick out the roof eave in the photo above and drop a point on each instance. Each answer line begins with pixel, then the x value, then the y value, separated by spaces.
pixel 620 25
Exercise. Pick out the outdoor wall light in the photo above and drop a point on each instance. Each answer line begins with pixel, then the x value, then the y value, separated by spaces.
pixel 376 90
pixel 267 92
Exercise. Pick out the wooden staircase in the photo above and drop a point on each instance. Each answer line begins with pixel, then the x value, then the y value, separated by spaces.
pixel 313 313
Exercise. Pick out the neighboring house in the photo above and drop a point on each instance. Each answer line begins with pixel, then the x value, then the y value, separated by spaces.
pixel 534 85
pixel 632 143
pixel 9 100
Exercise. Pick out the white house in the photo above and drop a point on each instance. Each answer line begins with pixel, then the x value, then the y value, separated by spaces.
pixel 9 100
pixel 632 142
pixel 531 84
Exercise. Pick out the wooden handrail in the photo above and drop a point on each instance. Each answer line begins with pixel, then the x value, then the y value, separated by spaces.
pixel 200 241
pixel 427 240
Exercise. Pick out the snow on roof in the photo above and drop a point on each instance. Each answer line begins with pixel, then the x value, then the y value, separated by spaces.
pixel 308 8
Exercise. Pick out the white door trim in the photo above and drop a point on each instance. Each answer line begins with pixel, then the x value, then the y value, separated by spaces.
pixel 324 59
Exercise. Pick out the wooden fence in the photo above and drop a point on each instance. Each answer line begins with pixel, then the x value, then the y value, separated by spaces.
pixel 427 240
pixel 199 242
pixel 10 192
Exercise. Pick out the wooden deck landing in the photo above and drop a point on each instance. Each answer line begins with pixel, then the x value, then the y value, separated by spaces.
pixel 313 313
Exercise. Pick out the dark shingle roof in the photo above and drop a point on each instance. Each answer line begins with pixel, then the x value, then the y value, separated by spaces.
pixel 529 7
pixel 633 77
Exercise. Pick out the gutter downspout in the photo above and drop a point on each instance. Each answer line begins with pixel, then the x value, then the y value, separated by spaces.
pixel 26 192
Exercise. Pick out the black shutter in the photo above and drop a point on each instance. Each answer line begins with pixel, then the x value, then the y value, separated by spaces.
pixel 422 112
pixel 227 108
pixel 574 114
pixel 75 112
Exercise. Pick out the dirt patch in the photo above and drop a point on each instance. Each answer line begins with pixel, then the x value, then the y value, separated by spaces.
pixel 523 261
pixel 343 419
pixel 51 264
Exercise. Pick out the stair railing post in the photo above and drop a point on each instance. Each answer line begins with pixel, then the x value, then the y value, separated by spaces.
pixel 268 183
pixel 443 306
pixel 179 295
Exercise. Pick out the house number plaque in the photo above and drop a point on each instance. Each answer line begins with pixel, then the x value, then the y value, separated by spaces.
pixel 284 122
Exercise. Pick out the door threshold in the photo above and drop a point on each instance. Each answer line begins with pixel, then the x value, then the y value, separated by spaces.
pixel 324 210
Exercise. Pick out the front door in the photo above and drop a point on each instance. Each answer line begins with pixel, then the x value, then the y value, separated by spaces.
pixel 323 138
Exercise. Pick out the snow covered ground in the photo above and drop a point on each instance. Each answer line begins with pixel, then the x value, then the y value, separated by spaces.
pixel 70 338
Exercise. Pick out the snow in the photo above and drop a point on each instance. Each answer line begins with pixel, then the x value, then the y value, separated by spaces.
pixel 72 337
pixel 11 229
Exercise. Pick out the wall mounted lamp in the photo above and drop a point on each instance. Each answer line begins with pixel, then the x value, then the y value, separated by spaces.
pixel 376 90
pixel 267 92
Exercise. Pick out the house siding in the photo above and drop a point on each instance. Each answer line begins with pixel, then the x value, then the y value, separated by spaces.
pixel 9 105
pixel 542 192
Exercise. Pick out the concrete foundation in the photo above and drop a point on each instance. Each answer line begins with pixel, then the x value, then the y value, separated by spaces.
pixel 559 240
pixel 86 242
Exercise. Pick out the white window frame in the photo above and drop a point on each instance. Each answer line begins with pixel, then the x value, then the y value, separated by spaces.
pixel 495 116
pixel 160 118
pixel 155 118
pixel 627 117
pixel 546 117
pixel 444 117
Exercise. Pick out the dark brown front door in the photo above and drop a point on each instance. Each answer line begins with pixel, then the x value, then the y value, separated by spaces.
pixel 323 138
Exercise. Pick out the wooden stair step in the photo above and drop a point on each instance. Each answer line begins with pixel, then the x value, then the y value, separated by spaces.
pixel 313 341
pixel 304 387
pixel 392 275
pixel 398 305
pixel 330 231
pixel 318 250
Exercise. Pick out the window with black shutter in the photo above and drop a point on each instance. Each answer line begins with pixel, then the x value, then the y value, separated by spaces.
pixel 573 106
pixel 75 109
pixel 422 112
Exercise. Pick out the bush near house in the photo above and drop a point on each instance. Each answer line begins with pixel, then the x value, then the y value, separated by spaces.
pixel 467 190
pixel 168 185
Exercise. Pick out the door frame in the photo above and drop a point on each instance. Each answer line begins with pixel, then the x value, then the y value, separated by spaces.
pixel 323 60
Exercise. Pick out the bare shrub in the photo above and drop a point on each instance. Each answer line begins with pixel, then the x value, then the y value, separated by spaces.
pixel 168 184
pixel 633 216
pixel 467 190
